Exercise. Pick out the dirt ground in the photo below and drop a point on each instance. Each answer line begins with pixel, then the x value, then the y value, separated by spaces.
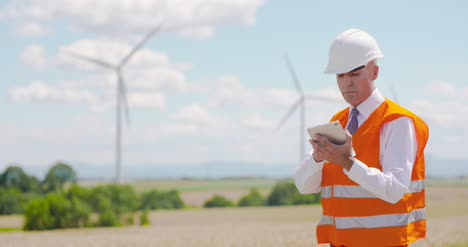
pixel 264 226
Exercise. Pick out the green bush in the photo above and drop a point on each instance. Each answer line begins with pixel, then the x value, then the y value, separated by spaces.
pixel 122 199
pixel 144 219
pixel 254 198
pixel 286 193
pixel 11 201
pixel 107 218
pixel 129 219
pixel 37 215
pixel 155 199
pixel 81 193
pixel 55 211
pixel 218 202
pixel 307 199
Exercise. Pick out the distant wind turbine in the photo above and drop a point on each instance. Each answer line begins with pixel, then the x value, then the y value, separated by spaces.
pixel 394 93
pixel 121 100
pixel 300 103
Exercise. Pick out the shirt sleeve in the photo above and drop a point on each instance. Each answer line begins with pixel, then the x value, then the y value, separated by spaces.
pixel 398 147
pixel 308 177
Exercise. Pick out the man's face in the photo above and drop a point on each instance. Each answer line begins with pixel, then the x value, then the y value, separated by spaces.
pixel 357 85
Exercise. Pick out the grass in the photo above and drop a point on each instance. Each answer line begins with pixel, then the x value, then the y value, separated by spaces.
pixel 6 229
pixel 464 244
pixel 214 185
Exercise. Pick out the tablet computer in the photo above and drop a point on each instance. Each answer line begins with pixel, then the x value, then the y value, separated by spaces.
pixel 332 130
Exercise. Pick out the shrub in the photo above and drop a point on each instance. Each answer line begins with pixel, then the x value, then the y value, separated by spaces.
pixel 129 219
pixel 144 219
pixel 37 215
pixel 107 218
pixel 254 198
pixel 81 193
pixel 217 202
pixel 307 199
pixel 120 198
pixel 286 193
pixel 11 201
pixel 55 211
pixel 161 200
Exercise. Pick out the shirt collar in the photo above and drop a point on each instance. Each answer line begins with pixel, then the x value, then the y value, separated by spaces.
pixel 370 104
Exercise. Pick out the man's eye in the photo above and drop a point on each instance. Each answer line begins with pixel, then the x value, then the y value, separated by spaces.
pixel 355 74
pixel 339 75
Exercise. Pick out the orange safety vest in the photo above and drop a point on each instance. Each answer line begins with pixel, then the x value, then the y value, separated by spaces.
pixel 354 217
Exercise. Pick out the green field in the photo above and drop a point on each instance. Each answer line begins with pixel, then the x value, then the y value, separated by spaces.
pixel 205 185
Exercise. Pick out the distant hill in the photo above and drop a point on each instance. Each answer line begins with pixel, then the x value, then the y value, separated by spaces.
pixel 436 168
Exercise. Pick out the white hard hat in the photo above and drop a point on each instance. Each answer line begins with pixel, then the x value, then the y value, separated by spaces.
pixel 351 49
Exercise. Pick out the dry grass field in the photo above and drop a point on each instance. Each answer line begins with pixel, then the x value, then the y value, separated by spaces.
pixel 259 227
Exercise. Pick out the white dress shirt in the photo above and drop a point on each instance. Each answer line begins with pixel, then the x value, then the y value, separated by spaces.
pixel 398 147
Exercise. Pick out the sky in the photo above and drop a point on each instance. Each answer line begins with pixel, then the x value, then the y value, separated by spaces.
pixel 213 84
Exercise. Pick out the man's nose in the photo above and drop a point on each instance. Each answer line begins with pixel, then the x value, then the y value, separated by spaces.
pixel 347 80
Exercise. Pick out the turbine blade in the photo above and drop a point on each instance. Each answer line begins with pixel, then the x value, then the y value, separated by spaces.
pixel 293 75
pixel 123 94
pixel 290 112
pixel 91 60
pixel 394 93
pixel 139 45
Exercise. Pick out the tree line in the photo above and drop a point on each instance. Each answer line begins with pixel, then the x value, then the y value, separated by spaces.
pixel 58 202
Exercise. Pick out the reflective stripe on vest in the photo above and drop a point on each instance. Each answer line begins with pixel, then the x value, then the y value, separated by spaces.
pixel 391 220
pixel 343 191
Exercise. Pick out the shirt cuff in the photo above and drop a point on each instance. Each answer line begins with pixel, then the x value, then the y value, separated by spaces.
pixel 311 162
pixel 357 172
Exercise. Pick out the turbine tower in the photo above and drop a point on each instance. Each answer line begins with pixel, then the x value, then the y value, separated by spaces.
pixel 300 103
pixel 394 93
pixel 121 93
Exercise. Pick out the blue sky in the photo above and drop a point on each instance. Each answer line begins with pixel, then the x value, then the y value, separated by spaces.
pixel 213 84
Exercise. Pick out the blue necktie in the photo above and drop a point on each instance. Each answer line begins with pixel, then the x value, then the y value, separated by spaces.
pixel 353 123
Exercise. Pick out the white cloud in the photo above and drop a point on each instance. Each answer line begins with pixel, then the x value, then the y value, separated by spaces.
pixel 104 50
pixel 444 106
pixel 449 114
pixel 40 92
pixel 258 122
pixel 32 29
pixel 68 93
pixel 146 101
pixel 199 33
pixel 196 18
pixel 229 91
pixel 159 78
pixel 34 56
pixel 195 114
pixel 442 89
pixel 145 70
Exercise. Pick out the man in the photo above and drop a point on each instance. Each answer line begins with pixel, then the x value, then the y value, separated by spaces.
pixel 377 197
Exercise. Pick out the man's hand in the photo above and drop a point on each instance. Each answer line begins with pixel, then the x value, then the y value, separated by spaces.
pixel 337 154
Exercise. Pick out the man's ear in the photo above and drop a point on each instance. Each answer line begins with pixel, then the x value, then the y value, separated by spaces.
pixel 375 72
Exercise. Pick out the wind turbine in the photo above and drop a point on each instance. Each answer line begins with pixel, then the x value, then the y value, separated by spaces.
pixel 300 103
pixel 394 93
pixel 121 93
